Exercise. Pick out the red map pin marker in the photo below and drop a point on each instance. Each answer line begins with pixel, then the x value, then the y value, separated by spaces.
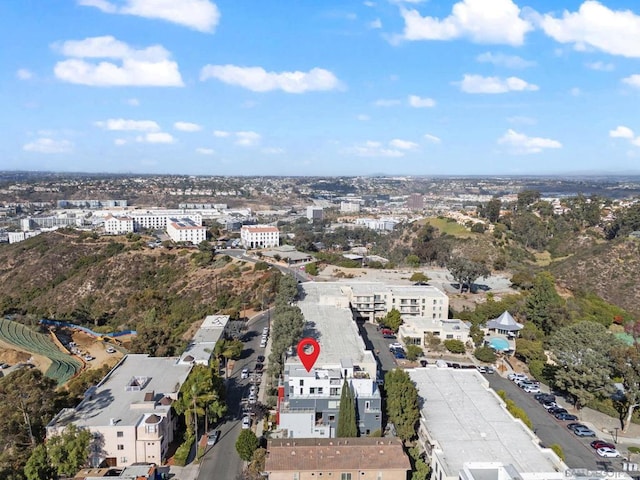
pixel 308 358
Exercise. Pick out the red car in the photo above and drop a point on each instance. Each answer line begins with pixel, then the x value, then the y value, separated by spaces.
pixel 602 444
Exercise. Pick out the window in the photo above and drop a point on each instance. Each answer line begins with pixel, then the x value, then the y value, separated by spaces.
pixel 332 418
pixel 345 476
pixel 123 460
pixel 301 383
pixel 120 447
pixel 312 390
pixel 333 391
pixel 301 391
pixel 320 390
pixel 119 434
pixel 367 405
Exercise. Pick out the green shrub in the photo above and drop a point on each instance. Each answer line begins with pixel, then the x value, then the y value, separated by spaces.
pixel 261 266
pixel 485 354
pixel 182 452
pixel 413 352
pixel 558 451
pixel 454 346
pixel 311 268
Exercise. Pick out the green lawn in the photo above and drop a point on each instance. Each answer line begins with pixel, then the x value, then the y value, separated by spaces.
pixel 450 228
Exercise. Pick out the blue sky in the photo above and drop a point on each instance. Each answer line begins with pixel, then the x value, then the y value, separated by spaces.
pixel 309 87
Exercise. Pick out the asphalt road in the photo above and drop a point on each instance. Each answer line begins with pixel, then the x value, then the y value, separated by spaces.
pixel 221 461
pixel 578 452
pixel 380 346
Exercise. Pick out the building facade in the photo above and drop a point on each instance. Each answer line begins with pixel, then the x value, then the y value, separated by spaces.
pixel 315 213
pixel 118 225
pixel 418 330
pixel 186 230
pixel 259 236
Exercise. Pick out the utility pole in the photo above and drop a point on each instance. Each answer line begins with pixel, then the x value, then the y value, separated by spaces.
pixel 27 421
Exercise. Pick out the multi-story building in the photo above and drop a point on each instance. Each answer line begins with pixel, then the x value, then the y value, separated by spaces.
pixel 315 213
pixel 378 224
pixel 349 207
pixel 186 230
pixel 467 432
pixel 371 300
pixel 338 459
pixel 129 412
pixel 417 330
pixel 415 201
pixel 309 401
pixel 259 236
pixel 118 225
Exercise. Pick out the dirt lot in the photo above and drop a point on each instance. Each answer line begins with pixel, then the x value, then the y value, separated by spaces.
pixel 11 355
pixel 97 349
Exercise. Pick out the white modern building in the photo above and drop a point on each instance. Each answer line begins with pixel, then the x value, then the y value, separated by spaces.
pixel 349 207
pixel 259 236
pixel 309 402
pixel 371 300
pixel 186 230
pixel 129 412
pixel 378 224
pixel 417 330
pixel 118 225
pixel 467 432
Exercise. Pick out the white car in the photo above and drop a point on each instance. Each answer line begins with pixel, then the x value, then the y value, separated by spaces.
pixel 252 399
pixel 246 422
pixel 396 345
pixel 531 389
pixel 608 452
pixel 245 373
pixel 263 342
pixel 265 331
pixel 111 350
pixel 517 376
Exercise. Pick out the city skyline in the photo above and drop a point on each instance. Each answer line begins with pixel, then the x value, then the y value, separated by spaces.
pixel 472 87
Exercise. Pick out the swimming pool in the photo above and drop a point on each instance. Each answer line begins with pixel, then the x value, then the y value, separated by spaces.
pixel 499 344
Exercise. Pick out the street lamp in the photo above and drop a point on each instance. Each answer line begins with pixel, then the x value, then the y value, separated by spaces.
pixel 615 435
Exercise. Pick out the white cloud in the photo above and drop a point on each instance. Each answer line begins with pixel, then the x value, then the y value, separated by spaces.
pixel 187 127
pixel 134 102
pixel 272 150
pixel 403 144
pixel 257 79
pixel 432 138
pixel 150 66
pixel 24 74
pixel 247 139
pixel 418 102
pixel 521 143
pixel 480 84
pixel 374 149
pixel 383 102
pixel 205 151
pixel 594 25
pixel 49 145
pixel 201 15
pixel 156 137
pixel 632 80
pixel 120 141
pixel 502 60
pixel 621 132
pixel 482 21
pixel 221 133
pixel 375 24
pixel 601 66
pixel 363 118
pixel 522 120
pixel 121 124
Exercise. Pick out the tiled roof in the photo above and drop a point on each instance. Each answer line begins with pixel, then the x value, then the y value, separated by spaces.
pixel 323 454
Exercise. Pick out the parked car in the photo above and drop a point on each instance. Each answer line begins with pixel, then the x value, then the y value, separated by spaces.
pixel 608 452
pixel 263 342
pixel 111 350
pixel 244 373
pixel 212 437
pixel 516 376
pixel 490 370
pixel 544 397
pixel 259 367
pixel 556 410
pixel 584 432
pixel 573 426
pixel 396 345
pixel 399 355
pixel 260 359
pixel 531 388
pixel 246 422
pixel 549 405
pixel 565 417
pixel 387 331
pixel 423 362
pixel 482 368
pixel 596 444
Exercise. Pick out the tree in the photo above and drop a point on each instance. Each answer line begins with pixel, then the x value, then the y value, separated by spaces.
pixel 402 403
pixel 582 352
pixel 69 451
pixel 419 277
pixel 466 271
pixel 39 466
pixel 455 345
pixel 246 444
pixel 421 469
pixel 347 426
pixel 203 395
pixel 391 320
pixel 544 307
pixel 414 352
pixel 412 260
pixel 311 268
pixel 492 210
pixel 485 354
pixel 627 365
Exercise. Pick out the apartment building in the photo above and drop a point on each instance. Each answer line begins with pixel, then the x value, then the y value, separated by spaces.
pixel 349 207
pixel 339 459
pixel 371 300
pixel 417 330
pixel 118 225
pixel 309 401
pixel 129 412
pixel 315 213
pixel 186 230
pixel 467 432
pixel 259 236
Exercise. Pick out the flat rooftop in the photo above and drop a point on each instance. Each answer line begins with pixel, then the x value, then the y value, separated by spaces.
pixel 111 399
pixel 470 423
pixel 371 288
pixel 330 322
pixel 204 341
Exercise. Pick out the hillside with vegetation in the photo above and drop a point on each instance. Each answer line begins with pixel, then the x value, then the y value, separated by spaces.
pixel 120 283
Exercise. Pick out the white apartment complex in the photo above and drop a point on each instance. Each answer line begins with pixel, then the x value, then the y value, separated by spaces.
pixel 349 207
pixel 186 230
pixel 129 412
pixel 467 432
pixel 416 330
pixel 259 236
pixel 118 225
